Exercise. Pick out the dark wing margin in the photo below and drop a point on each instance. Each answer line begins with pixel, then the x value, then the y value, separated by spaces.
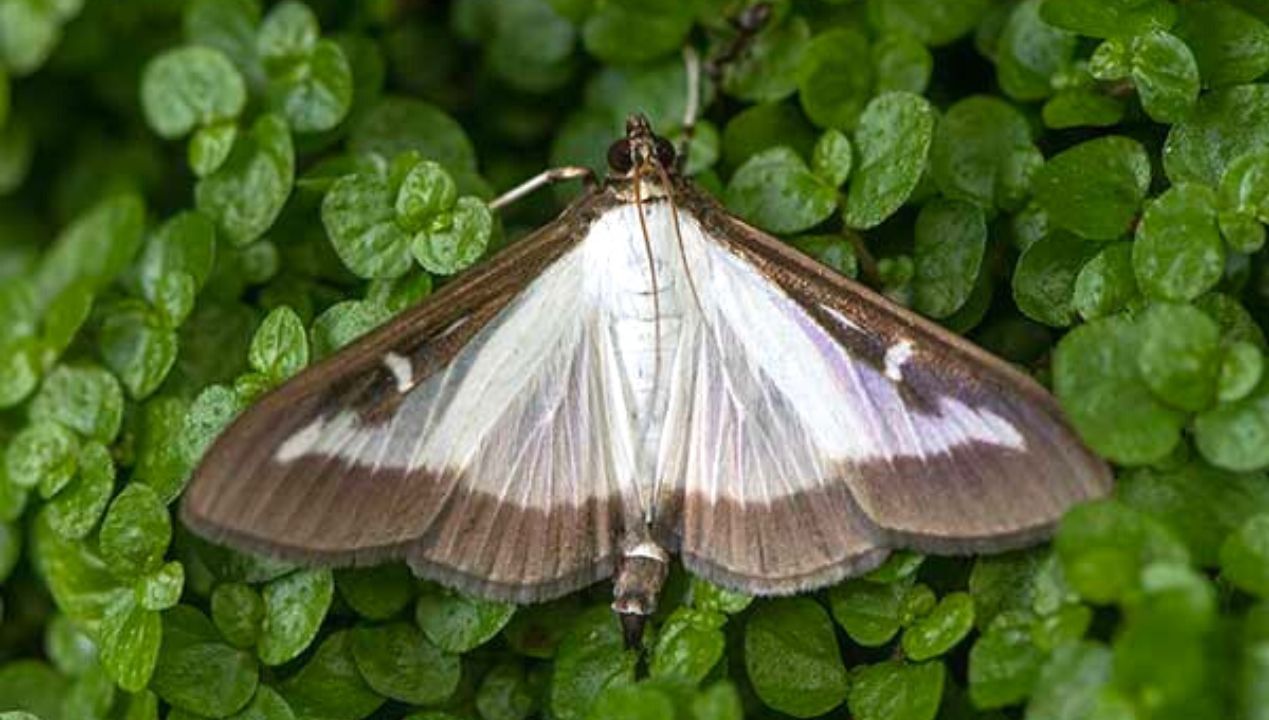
pixel 919 490
pixel 344 507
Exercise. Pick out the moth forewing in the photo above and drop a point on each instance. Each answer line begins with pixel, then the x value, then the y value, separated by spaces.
pixel 646 375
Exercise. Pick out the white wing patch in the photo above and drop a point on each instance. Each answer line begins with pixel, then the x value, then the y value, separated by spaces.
pixel 896 356
pixel 573 392
pixel 765 395
pixel 401 370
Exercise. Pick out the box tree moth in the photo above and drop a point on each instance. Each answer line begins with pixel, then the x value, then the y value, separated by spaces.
pixel 646 375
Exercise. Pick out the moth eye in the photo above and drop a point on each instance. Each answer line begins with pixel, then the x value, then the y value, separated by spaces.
pixel 619 156
pixel 665 152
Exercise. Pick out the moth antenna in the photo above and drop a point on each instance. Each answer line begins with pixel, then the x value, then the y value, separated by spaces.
pixel 678 237
pixel 542 179
pixel 652 273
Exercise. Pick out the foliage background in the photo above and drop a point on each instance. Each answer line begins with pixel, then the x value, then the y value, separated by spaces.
pixel 197 198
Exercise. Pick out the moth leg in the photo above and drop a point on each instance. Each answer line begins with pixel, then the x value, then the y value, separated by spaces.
pixel 542 179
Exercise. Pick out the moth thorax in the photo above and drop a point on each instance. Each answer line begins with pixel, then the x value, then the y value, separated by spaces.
pixel 641 572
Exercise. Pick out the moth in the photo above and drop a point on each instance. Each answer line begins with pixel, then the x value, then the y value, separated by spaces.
pixel 645 376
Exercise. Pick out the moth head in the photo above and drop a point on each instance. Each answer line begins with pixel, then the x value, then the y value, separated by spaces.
pixel 641 150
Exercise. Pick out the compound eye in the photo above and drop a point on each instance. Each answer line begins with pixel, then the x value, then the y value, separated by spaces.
pixel 665 152
pixel 619 158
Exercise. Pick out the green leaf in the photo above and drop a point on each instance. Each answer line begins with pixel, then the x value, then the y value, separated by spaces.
pixel 506 694
pixel 893 140
pixel 94 248
pixel 1235 435
pixel 536 630
pixel 186 243
pixel 768 70
pixel 627 31
pixel 832 158
pixel 1230 45
pixel 940 630
pixel 1106 284
pixel 590 658
pixel 75 510
pixel 456 240
pixel 870 612
pixel 280 346
pixel 835 78
pixel 951 239
pixel 457 623
pixel 135 532
pixel 210 146
pixel 329 685
pixel 316 93
pixel 1201 504
pixel 85 399
pixel 130 639
pixel 377 592
pixel 70 649
pixel 32 685
pixel 162 588
pixel 792 657
pixel 198 673
pixel 208 415
pixel 426 191
pixel 160 462
pixel 760 127
pixel 776 191
pixel 902 63
pixel 1031 52
pixel 1242 366
pixel 1104 544
pixel 238 612
pixel 1166 75
pixel 65 315
pixel 399 662
pixel 395 125
pixel 294 607
pixel 246 194
pixel 688 645
pixel 896 691
pixel 19 372
pixel 43 454
pixel 1224 125
pixel 1044 281
pixel 289 31
pixel 1095 189
pixel 1004 663
pixel 632 702
pixel 705 595
pixel 933 22
pixel 1069 684
pixel 1180 355
pixel 1095 377
pixel 138 346
pixel 1080 107
pixel 188 87
pixel 360 220
pixel 982 153
pixel 77 578
pixel 1244 185
pixel 1178 254
pixel 342 323
pixel 1109 18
